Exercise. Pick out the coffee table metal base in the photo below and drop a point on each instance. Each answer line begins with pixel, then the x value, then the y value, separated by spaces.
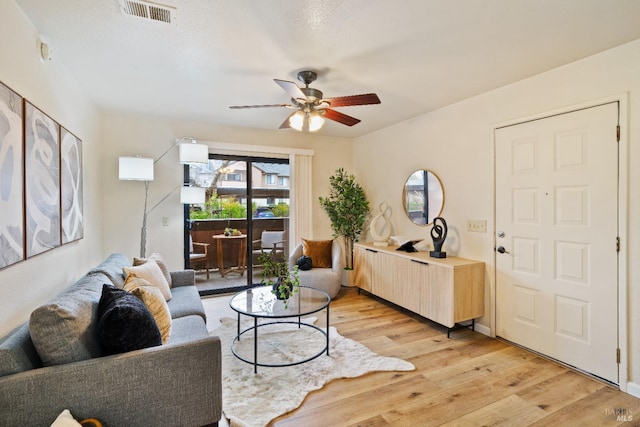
pixel 260 303
pixel 257 326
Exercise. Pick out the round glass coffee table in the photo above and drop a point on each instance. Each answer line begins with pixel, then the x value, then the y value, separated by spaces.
pixel 260 303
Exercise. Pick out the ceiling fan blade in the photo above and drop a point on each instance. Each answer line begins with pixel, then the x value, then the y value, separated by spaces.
pixel 345 101
pixel 340 118
pixel 291 88
pixel 237 107
pixel 285 124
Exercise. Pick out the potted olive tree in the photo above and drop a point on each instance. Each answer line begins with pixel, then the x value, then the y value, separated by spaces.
pixel 347 207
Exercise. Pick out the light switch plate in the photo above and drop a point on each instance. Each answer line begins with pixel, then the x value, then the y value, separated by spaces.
pixel 477 225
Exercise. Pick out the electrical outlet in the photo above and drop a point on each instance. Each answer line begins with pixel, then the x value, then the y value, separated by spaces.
pixel 165 221
pixel 477 225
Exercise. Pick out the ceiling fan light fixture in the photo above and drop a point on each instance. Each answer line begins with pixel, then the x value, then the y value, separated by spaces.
pixel 313 108
pixel 316 121
pixel 297 120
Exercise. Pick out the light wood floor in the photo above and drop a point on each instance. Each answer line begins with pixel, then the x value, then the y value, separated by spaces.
pixel 467 380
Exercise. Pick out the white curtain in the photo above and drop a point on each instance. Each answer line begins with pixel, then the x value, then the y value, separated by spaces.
pixel 300 193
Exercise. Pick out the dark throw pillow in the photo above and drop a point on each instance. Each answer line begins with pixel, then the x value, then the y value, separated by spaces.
pixel 124 322
pixel 304 263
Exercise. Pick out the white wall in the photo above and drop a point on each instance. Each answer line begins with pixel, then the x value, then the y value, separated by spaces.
pixel 456 142
pixel 113 209
pixel 150 137
pixel 50 87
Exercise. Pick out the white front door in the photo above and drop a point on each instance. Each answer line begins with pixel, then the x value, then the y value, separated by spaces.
pixel 557 229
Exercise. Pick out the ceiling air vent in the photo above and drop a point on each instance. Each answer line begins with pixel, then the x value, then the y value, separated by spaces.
pixel 149 10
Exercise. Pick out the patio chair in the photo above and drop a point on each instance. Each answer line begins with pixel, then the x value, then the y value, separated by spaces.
pixel 199 257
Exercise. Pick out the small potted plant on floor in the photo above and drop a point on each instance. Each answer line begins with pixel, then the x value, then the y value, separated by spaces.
pixel 275 272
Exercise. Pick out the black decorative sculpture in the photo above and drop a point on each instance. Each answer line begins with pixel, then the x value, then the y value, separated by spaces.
pixel 438 234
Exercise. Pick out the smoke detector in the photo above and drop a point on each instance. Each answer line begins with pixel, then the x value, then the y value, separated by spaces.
pixel 149 10
pixel 46 53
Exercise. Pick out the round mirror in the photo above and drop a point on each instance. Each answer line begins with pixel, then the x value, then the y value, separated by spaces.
pixel 423 197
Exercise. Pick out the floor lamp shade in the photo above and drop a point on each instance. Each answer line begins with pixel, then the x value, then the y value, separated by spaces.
pixel 192 195
pixel 194 153
pixel 135 169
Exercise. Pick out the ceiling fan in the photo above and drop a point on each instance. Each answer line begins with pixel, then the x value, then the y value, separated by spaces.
pixel 311 108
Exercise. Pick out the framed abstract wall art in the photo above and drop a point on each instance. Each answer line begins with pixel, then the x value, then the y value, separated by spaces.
pixel 71 186
pixel 11 184
pixel 42 181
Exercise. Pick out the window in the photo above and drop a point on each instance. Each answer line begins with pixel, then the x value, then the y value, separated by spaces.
pixel 282 181
pixel 300 173
pixel 239 200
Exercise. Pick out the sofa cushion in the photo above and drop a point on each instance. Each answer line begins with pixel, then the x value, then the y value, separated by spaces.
pixel 155 303
pixel 150 271
pixel 112 268
pixel 319 251
pixel 186 302
pixel 159 260
pixel 187 329
pixel 124 323
pixel 323 279
pixel 63 330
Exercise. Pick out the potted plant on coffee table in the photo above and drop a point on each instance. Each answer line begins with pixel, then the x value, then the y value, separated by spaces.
pixel 347 207
pixel 275 273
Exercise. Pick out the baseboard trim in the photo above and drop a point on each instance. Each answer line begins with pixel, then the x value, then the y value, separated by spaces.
pixel 633 389
pixel 485 330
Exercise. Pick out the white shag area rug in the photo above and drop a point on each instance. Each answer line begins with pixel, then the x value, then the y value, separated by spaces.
pixel 250 399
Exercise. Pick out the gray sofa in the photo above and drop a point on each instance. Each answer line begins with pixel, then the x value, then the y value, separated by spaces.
pixel 175 384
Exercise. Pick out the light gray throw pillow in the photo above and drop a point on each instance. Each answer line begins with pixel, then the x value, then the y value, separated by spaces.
pixel 64 329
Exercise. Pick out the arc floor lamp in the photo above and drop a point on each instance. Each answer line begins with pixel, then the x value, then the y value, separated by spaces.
pixel 142 169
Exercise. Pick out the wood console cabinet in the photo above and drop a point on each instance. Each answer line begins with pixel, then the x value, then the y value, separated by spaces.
pixel 446 290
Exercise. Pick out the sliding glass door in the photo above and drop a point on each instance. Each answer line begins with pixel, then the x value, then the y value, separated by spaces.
pixel 245 214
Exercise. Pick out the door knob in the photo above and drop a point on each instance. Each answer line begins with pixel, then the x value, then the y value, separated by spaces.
pixel 502 250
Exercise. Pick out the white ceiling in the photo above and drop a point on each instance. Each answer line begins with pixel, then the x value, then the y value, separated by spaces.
pixel 417 55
